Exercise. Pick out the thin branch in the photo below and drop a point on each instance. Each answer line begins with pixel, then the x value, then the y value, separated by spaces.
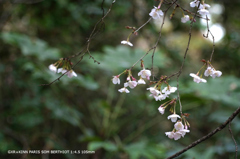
pixel 206 36
pixel 208 135
pixel 236 147
pixel 184 58
pixel 87 44
pixel 143 25
pixel 95 31
pixel 160 34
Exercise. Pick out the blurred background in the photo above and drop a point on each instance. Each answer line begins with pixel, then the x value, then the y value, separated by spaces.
pixel 87 112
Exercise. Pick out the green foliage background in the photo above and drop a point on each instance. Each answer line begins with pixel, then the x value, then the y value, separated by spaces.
pixel 87 112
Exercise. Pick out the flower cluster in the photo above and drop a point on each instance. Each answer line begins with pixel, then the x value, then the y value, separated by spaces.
pixel 210 71
pixel 161 95
pixel 162 90
pixel 202 7
pixel 179 131
pixel 131 82
pixel 66 67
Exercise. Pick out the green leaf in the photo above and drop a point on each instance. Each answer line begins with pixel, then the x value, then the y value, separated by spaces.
pixel 223 89
pixel 123 57
pixel 31 46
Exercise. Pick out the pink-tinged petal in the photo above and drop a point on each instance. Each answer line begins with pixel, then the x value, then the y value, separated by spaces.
pixel 173 117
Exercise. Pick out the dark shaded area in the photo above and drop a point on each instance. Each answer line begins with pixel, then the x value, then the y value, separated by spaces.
pixel 87 112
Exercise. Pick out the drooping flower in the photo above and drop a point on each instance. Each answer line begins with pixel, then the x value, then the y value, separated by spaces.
pixel 162 97
pixel 154 92
pixel 203 12
pixel 161 109
pixel 52 68
pixel 132 84
pixel 178 125
pixel 194 3
pixel 126 43
pixel 61 70
pixel 156 13
pixel 168 90
pixel 216 74
pixel 116 79
pixel 184 131
pixel 185 19
pixel 124 89
pixel 197 79
pixel 145 73
pixel 177 135
pixel 141 81
pixel 203 6
pixel 170 134
pixel 173 117
pixel 209 71
pixel 70 73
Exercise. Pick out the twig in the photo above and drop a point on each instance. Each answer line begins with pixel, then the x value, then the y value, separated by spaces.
pixel 94 31
pixel 87 44
pixel 143 25
pixel 236 147
pixel 206 36
pixel 184 58
pixel 208 135
pixel 160 34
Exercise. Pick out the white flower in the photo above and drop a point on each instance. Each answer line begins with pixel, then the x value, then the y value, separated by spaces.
pixel 61 70
pixel 161 110
pixel 124 89
pixel 170 134
pixel 169 90
pixel 116 80
pixel 209 71
pixel 126 42
pixel 197 79
pixel 177 135
pixel 141 81
pixel 203 12
pixel 203 6
pixel 216 73
pixel 178 125
pixel 173 117
pixel 125 84
pixel 194 3
pixel 154 91
pixel 145 74
pixel 185 19
pixel 184 131
pixel 132 84
pixel 162 97
pixel 69 73
pixel 52 68
pixel 156 13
